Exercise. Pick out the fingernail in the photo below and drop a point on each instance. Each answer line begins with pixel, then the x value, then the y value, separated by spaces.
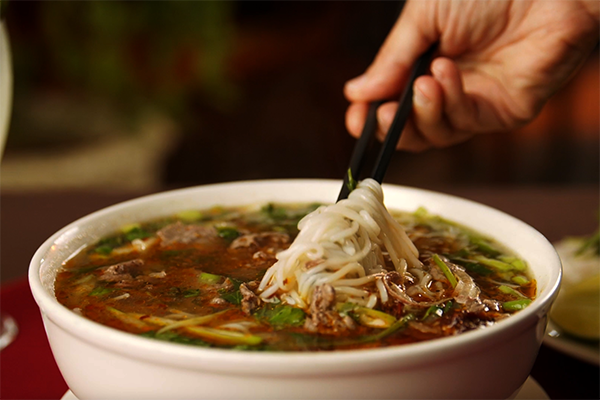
pixel 419 97
pixel 355 84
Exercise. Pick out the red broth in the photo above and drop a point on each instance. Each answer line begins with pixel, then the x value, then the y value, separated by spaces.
pixel 185 279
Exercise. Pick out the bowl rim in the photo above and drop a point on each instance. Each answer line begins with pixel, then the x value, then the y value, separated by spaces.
pixel 244 362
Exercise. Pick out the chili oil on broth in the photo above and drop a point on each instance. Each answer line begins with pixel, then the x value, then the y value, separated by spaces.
pixel 185 279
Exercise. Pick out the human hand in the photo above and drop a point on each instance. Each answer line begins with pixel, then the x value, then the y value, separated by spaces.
pixel 498 64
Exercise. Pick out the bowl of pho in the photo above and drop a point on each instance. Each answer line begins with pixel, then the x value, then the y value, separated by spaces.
pixel 269 289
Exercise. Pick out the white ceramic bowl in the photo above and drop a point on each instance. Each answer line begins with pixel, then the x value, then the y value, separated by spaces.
pixel 100 362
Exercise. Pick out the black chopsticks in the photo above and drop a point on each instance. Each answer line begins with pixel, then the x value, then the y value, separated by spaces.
pixel 362 146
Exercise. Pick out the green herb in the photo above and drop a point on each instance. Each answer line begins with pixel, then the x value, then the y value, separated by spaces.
pixel 227 232
pixel 515 305
pixel 130 232
pixel 233 295
pixel 477 268
pixel 104 250
pixel 281 315
pixel 274 212
pixel 137 233
pixel 311 342
pixel 191 292
pixel 113 241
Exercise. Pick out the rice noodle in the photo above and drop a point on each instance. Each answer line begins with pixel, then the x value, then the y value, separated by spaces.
pixel 347 240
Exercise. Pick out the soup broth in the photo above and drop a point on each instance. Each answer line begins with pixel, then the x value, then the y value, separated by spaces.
pixel 194 278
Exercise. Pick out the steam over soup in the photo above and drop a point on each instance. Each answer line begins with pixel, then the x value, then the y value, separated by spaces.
pixel 346 276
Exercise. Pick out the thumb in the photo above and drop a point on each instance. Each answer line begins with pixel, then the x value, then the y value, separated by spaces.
pixel 411 36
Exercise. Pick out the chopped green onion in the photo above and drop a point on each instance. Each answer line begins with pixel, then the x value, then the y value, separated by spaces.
pixel 209 279
pixel 352 183
pixel 520 280
pixel 516 305
pixel 446 270
pixel 175 338
pixel 421 212
pixel 128 318
pixel 100 291
pixel 224 336
pixel 433 310
pixel 345 308
pixel 399 324
pixel 373 318
pixel 129 227
pixel 484 246
pixel 186 322
pixel 508 290
pixel 496 264
pixel 517 263
pixel 190 215
pixel 448 306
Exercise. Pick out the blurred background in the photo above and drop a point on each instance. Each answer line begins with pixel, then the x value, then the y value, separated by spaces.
pixel 147 96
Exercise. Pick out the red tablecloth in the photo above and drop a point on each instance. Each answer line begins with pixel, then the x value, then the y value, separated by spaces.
pixel 27 368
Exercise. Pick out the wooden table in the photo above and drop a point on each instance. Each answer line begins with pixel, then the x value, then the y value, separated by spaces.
pixel 27 369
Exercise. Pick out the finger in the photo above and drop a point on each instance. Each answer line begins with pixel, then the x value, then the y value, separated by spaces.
pixel 477 112
pixel 410 139
pixel 457 105
pixel 356 115
pixel 410 37
pixel 385 116
pixel 429 114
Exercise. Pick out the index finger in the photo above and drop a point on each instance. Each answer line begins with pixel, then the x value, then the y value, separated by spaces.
pixel 411 36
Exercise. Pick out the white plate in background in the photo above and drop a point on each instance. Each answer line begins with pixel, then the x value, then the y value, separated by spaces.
pixel 6 86
pixel 580 349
